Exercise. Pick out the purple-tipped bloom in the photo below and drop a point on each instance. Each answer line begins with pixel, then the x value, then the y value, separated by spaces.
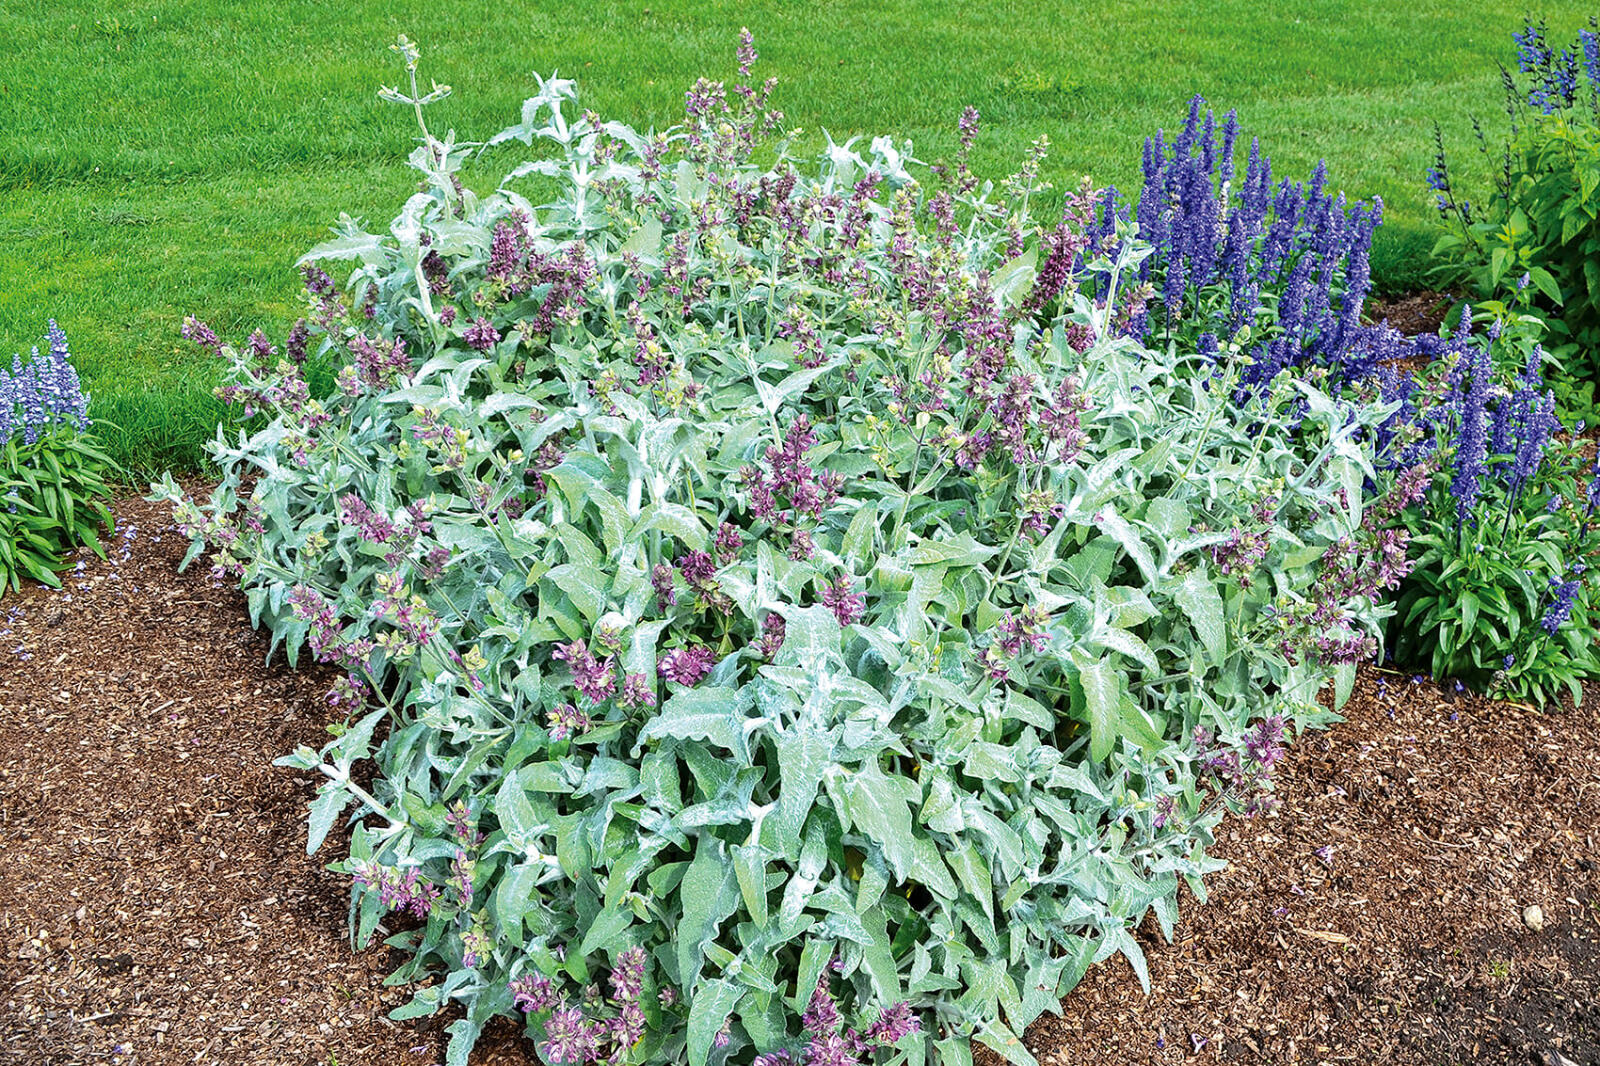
pixel 892 1025
pixel 844 601
pixel 571 1038
pixel 533 993
pixel 627 977
pixel 1472 442
pixel 42 393
pixel 1561 606
pixel 481 335
pixel 687 666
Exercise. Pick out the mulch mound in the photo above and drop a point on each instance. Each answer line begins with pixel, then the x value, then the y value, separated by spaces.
pixel 157 905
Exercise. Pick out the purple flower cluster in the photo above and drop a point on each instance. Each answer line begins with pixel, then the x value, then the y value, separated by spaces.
pixel 722 127
pixel 577 1034
pixel 833 1043
pixel 638 690
pixel 789 491
pixel 398 890
pixel 1241 553
pixel 844 601
pixel 1553 82
pixel 1564 593
pixel 325 634
pixel 1027 629
pixel 774 628
pixel 42 392
pixel 699 572
pixel 481 335
pixel 1245 772
pixel 595 678
pixel 567 721
pixel 1472 438
pixel 687 665
pixel 378 363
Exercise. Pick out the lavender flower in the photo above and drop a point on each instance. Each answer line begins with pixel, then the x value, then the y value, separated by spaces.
pixel 841 598
pixel 687 666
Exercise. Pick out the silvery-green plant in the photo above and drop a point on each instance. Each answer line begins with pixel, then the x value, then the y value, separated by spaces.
pixel 748 589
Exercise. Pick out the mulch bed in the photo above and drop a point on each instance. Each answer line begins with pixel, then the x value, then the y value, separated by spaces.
pixel 156 901
pixel 1411 313
pixel 157 906
pixel 1446 818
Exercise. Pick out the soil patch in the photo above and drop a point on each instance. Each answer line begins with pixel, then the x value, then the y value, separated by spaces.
pixel 1411 313
pixel 156 901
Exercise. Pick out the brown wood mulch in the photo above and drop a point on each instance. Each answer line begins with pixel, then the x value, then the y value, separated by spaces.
pixel 1411 313
pixel 157 906
pixel 156 901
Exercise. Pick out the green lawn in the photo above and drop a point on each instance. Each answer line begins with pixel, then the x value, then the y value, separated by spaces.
pixel 162 157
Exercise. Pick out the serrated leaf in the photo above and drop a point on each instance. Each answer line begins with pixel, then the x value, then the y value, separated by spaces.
pixel 709 714
pixel 1102 692
pixel 1198 597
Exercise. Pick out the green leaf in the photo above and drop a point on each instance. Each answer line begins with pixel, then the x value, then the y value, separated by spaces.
pixel 511 897
pixel 709 895
pixel 713 1004
pixel 929 870
pixel 1198 597
pixel 1102 691
pixel 804 755
pixel 710 714
pixel 879 808
pixel 330 802
pixel 1116 527
pixel 605 932
pixel 516 814
pixel 585 585
pixel 1546 283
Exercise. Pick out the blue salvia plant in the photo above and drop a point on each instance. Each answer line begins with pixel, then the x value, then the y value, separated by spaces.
pixel 786 621
pixel 1502 595
pixel 1277 270
pixel 52 475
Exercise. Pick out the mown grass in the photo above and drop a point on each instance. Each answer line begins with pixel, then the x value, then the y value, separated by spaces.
pixel 161 157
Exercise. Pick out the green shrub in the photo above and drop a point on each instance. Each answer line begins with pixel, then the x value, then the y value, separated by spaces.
pixel 52 474
pixel 744 590
pixel 1534 240
pixel 1501 596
